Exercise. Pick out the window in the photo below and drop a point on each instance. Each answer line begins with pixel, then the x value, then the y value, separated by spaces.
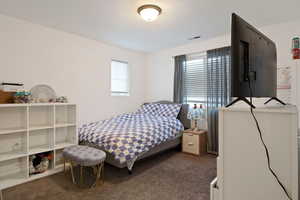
pixel 206 77
pixel 119 78
pixel 195 79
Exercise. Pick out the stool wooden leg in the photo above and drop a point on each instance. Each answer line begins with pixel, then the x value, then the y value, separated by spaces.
pixel 99 173
pixel 102 172
pixel 96 174
pixel 1 196
pixel 81 175
pixel 95 170
pixel 72 173
pixel 64 165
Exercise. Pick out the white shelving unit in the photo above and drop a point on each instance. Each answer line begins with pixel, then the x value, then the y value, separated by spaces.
pixel 28 129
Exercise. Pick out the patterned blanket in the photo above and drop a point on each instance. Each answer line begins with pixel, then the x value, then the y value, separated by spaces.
pixel 129 135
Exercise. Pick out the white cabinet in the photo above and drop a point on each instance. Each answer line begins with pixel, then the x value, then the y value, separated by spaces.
pixel 242 171
pixel 28 129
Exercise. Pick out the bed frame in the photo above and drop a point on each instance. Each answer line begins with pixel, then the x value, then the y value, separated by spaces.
pixel 172 143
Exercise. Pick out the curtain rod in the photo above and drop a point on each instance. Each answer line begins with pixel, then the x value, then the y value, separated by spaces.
pixel 199 52
pixel 188 54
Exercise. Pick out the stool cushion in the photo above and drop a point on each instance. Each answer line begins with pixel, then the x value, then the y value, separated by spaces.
pixel 84 155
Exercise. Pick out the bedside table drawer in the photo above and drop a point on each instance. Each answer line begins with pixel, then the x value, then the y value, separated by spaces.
pixel 190 143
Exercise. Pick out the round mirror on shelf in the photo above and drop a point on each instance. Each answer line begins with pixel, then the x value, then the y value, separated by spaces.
pixel 42 94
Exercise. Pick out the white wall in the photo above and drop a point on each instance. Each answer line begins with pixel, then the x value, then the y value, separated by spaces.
pixel 160 65
pixel 80 68
pixel 75 67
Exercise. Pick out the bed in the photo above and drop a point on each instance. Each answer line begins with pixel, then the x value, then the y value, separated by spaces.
pixel 130 137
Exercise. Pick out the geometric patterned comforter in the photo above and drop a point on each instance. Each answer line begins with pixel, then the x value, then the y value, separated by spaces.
pixel 128 136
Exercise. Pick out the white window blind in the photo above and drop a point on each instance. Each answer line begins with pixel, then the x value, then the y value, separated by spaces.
pixel 119 78
pixel 195 79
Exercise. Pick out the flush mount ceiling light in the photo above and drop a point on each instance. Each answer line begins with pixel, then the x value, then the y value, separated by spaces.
pixel 195 37
pixel 149 12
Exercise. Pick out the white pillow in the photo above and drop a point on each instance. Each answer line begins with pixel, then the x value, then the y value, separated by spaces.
pixel 150 108
pixel 168 110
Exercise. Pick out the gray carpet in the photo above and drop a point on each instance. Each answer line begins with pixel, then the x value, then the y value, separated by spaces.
pixel 170 176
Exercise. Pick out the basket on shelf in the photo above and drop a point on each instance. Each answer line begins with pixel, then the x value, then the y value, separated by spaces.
pixel 6 97
pixel 39 163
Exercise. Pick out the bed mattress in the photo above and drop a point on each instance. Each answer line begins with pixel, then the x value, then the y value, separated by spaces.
pixel 128 137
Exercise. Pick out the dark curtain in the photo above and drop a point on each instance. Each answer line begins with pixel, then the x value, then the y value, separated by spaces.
pixel 180 67
pixel 218 90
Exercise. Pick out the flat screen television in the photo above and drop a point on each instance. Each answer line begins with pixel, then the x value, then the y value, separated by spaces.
pixel 253 60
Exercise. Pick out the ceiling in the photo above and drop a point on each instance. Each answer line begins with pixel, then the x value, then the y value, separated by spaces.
pixel 117 22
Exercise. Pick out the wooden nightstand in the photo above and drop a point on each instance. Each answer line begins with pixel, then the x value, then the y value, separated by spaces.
pixel 194 142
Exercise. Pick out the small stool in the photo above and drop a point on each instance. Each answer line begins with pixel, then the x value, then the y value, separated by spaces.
pixel 85 156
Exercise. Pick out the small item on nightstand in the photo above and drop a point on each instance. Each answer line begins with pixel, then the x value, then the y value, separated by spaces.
pixel 194 115
pixel 202 122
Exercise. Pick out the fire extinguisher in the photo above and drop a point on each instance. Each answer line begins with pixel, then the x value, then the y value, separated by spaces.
pixel 296 48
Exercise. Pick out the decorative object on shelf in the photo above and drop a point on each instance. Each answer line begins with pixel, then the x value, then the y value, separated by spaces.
pixel 39 163
pixel 296 48
pixel 22 97
pixel 195 115
pixel 11 87
pixel 42 94
pixel 62 99
pixel 6 97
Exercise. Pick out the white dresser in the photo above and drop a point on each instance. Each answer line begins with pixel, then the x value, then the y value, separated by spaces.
pixel 242 172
